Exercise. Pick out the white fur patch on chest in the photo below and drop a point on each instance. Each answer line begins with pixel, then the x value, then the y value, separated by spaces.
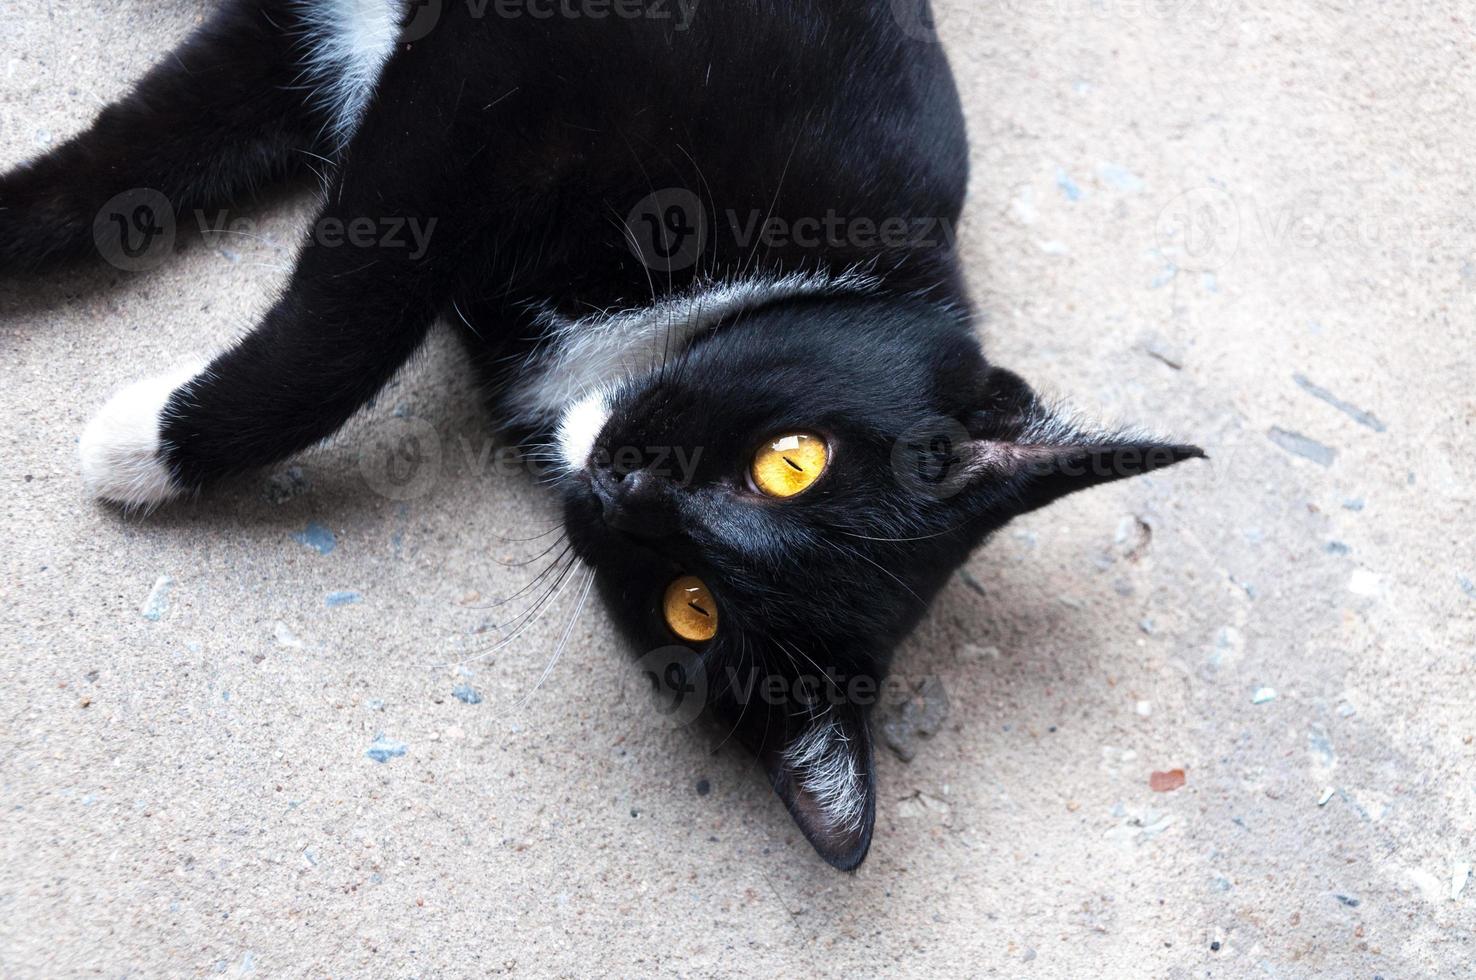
pixel 347 43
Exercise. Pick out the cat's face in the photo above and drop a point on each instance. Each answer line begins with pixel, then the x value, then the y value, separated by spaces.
pixel 786 497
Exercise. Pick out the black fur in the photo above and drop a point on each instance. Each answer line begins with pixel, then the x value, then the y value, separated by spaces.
pixel 529 142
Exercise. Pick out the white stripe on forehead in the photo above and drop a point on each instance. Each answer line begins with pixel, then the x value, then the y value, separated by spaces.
pixel 581 425
pixel 597 353
pixel 602 350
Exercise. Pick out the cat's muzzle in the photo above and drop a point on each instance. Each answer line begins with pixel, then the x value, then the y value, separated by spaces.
pixel 640 503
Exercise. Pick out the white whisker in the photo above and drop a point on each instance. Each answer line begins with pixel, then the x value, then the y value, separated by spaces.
pixel 559 650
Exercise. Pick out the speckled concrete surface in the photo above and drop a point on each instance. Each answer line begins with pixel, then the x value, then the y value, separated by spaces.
pixel 1177 209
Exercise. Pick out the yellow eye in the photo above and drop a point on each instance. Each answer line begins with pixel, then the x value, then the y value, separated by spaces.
pixel 789 464
pixel 690 611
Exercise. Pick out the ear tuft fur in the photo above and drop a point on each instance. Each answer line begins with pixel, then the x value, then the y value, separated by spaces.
pixel 826 779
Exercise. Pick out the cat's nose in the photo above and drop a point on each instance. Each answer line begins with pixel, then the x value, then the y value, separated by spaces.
pixel 639 503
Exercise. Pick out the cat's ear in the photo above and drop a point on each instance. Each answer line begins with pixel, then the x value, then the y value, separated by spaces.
pixel 824 775
pixel 1041 454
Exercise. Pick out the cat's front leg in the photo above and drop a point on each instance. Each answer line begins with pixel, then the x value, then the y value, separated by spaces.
pixel 416 204
pixel 352 314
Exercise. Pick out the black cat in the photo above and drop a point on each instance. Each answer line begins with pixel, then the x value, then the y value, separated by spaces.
pixel 703 255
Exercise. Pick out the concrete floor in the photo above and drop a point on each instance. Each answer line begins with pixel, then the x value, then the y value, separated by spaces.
pixel 1177 211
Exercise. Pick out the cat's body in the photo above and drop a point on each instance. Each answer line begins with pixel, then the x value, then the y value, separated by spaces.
pixel 694 228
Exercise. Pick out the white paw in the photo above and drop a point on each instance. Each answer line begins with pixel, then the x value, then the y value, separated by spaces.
pixel 120 448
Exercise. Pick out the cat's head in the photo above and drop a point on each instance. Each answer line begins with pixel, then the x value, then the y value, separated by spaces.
pixel 785 498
